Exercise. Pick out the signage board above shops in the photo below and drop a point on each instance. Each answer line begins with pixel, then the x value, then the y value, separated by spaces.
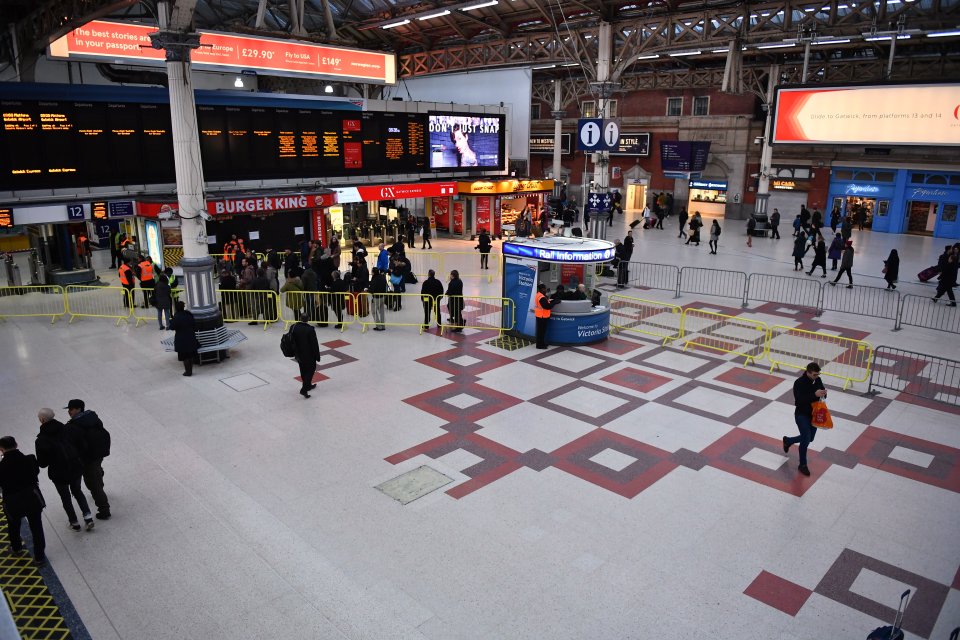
pixel 632 144
pixel 782 184
pixel 120 209
pixel 247 205
pixel 127 43
pixel 889 114
pixel 374 193
pixel 485 187
pixel 542 144
pixel 677 155
pixel 715 185
pixel 602 252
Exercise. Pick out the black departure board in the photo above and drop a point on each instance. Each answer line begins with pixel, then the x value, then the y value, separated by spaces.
pixel 65 144
pixel 6 218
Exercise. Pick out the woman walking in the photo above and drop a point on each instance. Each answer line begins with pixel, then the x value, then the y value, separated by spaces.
pixel 891 269
pixel 799 248
pixel 185 341
pixel 695 223
pixel 751 226
pixel 714 237
pixel 836 248
pixel 819 258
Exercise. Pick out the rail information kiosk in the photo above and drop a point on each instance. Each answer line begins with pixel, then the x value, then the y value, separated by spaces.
pixel 557 261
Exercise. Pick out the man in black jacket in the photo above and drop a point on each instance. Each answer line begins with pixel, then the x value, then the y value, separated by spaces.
pixel 338 287
pixel 455 301
pixel 430 292
pixel 807 389
pixel 95 447
pixel 307 352
pixel 58 450
pixel 21 498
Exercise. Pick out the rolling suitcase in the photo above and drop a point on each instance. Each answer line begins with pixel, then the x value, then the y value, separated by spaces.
pixel 894 632
pixel 928 273
pixel 634 224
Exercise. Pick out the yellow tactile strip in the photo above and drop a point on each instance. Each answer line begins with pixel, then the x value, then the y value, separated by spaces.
pixel 34 610
pixel 509 342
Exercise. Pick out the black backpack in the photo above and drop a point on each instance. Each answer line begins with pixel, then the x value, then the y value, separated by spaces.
pixel 98 441
pixel 287 348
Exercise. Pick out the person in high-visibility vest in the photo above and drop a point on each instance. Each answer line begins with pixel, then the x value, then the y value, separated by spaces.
pixel 541 310
pixel 125 272
pixel 146 280
pixel 230 250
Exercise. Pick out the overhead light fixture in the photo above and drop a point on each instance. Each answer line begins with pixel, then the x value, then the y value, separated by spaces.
pixel 328 89
pixel 679 54
pixel 944 34
pixel 238 83
pixel 782 45
pixel 879 38
pixel 653 56
pixel 546 66
pixel 394 24
pixel 571 64
pixel 490 3
pixel 839 41
pixel 439 14
pixel 727 50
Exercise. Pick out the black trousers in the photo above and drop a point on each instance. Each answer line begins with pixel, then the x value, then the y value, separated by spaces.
pixel 73 487
pixel 428 308
pixel 307 369
pixel 146 286
pixel 484 260
pixel 944 289
pixel 841 272
pixel 14 519
pixel 774 233
pixel 128 301
pixel 623 273
pixel 542 332
pixel 93 479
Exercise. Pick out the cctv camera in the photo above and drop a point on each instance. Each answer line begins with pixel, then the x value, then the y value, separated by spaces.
pixel 758 140
pixel 206 217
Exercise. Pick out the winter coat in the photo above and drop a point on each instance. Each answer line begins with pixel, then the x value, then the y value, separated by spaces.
pixel 185 341
pixel 58 449
pixel 892 265
pixel 836 248
pixel 846 260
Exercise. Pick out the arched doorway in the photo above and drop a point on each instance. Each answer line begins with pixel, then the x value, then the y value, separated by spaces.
pixel 637 181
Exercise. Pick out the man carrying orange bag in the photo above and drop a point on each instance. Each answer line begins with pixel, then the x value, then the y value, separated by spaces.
pixel 807 389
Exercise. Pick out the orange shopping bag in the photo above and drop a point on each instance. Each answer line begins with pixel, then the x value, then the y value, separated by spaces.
pixel 821 416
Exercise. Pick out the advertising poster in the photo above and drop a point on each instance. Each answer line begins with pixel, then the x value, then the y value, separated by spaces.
pixel 318 225
pixel 154 242
pixel 520 285
pixel 441 213
pixel 483 213
pixel 172 237
pixel 458 217
pixel 465 141
pixel 569 272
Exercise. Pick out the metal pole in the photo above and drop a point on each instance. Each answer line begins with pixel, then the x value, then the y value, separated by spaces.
pixel 893 48
pixel 602 175
pixel 806 61
pixel 557 128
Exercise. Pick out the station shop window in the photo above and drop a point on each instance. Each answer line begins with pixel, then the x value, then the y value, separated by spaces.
pixel 535 111
pixel 674 106
pixel 701 106
pixel 949 213
pixel 865 176
pixel 934 178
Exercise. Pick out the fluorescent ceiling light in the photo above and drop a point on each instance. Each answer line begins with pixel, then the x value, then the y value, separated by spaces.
pixel 727 50
pixel 490 3
pixel 840 41
pixel 571 64
pixel 879 38
pixel 944 34
pixel 782 45
pixel 685 53
pixel 546 66
pixel 649 57
pixel 440 14
pixel 394 24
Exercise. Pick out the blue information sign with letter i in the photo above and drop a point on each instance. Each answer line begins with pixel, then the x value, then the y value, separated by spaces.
pixel 590 134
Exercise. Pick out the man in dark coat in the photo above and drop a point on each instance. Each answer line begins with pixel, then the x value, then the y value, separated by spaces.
pixel 96 447
pixel 163 301
pixel 310 283
pixel 58 450
pixel 185 341
pixel 431 291
pixel 948 279
pixel 455 301
pixel 22 498
pixel 307 352
pixel 774 224
pixel 484 245
pixel 682 219
pixel 338 287
pixel 261 302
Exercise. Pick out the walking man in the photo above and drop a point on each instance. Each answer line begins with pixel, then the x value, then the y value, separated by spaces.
pixel 430 293
pixel 846 263
pixel 682 219
pixel 57 450
pixel 807 389
pixel 948 279
pixel 306 352
pixel 22 498
pixel 541 309
pixel 96 447
pixel 774 224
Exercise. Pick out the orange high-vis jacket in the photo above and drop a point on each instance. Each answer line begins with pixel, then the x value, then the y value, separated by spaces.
pixel 538 310
pixel 146 271
pixel 126 275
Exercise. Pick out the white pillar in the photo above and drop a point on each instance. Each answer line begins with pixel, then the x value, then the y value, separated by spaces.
pixel 766 154
pixel 601 170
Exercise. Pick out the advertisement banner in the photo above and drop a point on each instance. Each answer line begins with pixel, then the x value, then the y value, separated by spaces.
pixel 520 285
pixel 569 273
pixel 483 213
pixel 441 212
pixel 466 141
pixel 458 217
pixel 154 242
pixel 318 225
pixel 578 329
pixel 907 114
pixel 374 193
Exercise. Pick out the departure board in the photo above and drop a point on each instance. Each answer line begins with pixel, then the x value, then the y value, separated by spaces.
pixel 66 144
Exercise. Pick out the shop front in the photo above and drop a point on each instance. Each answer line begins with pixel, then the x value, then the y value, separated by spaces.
pixel 381 212
pixel 930 204
pixel 708 196
pixel 788 195
pixel 868 196
pixel 497 205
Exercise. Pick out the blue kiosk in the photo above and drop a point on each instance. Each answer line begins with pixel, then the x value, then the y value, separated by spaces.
pixel 553 261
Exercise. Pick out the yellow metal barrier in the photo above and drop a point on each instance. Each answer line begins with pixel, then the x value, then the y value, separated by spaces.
pixel 422 261
pixel 149 313
pixel 398 309
pixel 245 305
pixel 636 315
pixel 844 358
pixel 478 312
pixel 726 334
pixel 324 308
pixel 98 302
pixel 40 302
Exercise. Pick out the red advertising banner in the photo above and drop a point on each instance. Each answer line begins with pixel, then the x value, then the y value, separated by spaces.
pixel 253 204
pixel 568 271
pixel 483 213
pixel 441 212
pixel 318 223
pixel 458 217
pixel 372 193
pixel 103 40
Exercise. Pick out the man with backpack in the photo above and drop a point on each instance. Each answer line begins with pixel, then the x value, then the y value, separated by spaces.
pixel 95 447
pixel 57 450
pixel 301 343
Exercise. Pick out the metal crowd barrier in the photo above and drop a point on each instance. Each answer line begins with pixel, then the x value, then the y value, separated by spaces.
pixel 422 261
pixel 322 307
pixel 248 306
pixel 647 275
pixel 260 256
pixel 636 315
pixel 713 282
pixel 399 309
pixel 861 300
pixel 148 314
pixel 920 311
pixel 843 358
pixel 33 301
pixel 484 313
pixel 800 292
pixel 916 374
pixel 98 302
pixel 727 334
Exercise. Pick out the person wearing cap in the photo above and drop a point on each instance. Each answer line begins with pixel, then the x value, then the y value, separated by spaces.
pixel 19 474
pixel 58 449
pixel 95 447
pixel 846 263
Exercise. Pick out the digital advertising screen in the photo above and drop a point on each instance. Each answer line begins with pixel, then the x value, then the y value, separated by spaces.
pixel 889 114
pixel 464 141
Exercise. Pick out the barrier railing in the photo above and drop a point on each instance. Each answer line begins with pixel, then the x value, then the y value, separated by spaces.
pixel 220 256
pixel 33 301
pixel 324 308
pixel 242 305
pixel 713 282
pixel 149 313
pixel 798 292
pixel 636 315
pixel 920 311
pixel 861 300
pixel 399 310
pixel 423 261
pixel 484 313
pixel 98 302
pixel 647 275
pixel 741 337
pixel 917 374
pixel 844 358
